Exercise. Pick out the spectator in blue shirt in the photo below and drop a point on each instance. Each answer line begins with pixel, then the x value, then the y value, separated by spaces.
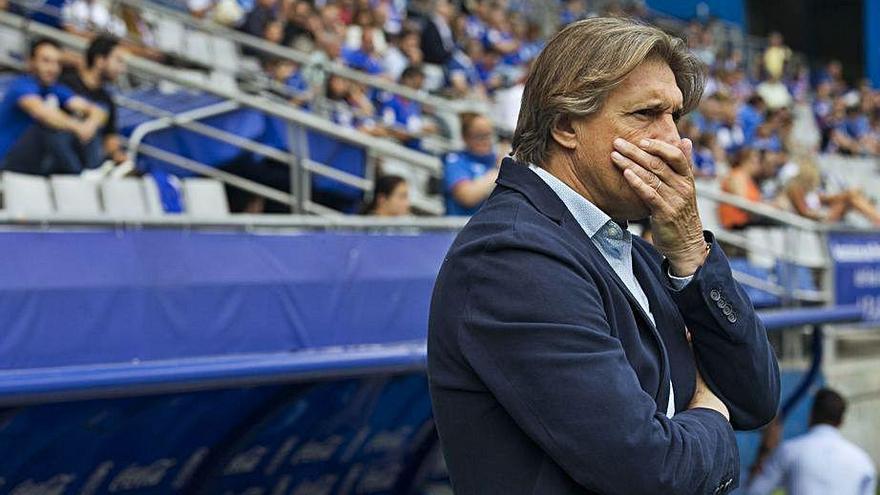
pixel 500 38
pixel 462 74
pixel 289 82
pixel 489 69
pixel 750 116
pixel 704 156
pixel 402 117
pixel 44 127
pixel 469 175
pixel 364 58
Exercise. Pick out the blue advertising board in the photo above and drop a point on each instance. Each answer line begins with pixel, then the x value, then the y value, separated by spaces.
pixel 369 435
pixel 856 270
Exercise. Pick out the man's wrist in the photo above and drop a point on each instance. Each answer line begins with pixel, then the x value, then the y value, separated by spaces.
pixel 687 263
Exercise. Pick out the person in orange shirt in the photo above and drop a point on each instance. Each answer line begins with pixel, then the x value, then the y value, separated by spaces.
pixel 741 181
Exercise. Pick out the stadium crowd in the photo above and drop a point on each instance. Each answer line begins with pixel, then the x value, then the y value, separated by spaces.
pixel 751 131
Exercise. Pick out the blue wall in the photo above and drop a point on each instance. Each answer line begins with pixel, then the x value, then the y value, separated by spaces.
pixel 872 41
pixel 730 10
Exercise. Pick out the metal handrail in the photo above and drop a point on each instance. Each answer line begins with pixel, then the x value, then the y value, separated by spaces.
pixel 246 222
pixel 765 211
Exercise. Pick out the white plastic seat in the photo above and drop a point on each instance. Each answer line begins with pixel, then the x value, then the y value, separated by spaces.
pixel 226 56
pixel 124 197
pixel 810 251
pixel 708 208
pixel 27 195
pixel 11 41
pixel 764 244
pixel 169 35
pixel 205 198
pixel 198 47
pixel 75 195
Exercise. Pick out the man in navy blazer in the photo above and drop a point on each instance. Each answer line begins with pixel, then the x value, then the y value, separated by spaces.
pixel 566 356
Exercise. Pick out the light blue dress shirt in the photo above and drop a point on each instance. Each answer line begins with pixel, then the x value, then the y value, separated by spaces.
pixel 819 462
pixel 615 244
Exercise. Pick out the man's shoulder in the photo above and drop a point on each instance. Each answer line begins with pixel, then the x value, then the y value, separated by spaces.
pixel 24 83
pixel 507 219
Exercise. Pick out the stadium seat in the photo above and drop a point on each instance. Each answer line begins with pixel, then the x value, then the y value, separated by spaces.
pixel 27 195
pixel 75 195
pixel 810 249
pixel 795 276
pixel 169 35
pixel 226 56
pixel 10 42
pixel 765 243
pixel 708 208
pixel 197 46
pixel 124 197
pixel 205 198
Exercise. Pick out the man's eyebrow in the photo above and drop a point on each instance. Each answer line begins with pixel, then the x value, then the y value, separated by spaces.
pixel 657 105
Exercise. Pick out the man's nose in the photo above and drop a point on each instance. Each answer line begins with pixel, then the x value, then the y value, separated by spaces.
pixel 666 130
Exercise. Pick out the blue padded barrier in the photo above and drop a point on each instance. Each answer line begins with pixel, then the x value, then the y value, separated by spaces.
pixel 153 362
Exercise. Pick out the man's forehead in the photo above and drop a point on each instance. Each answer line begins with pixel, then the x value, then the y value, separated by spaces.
pixel 651 82
pixel 652 95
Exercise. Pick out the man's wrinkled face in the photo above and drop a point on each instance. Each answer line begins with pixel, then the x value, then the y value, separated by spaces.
pixel 646 104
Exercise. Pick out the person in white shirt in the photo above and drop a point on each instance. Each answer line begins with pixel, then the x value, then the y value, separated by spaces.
pixel 821 461
pixel 83 17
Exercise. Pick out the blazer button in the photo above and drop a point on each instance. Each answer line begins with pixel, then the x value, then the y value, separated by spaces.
pixel 731 318
pixel 727 311
pixel 721 303
pixel 714 294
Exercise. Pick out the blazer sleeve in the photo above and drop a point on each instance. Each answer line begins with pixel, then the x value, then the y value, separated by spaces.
pixel 730 342
pixel 536 333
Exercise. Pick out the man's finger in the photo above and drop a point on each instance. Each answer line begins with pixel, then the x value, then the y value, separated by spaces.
pixel 673 155
pixel 650 178
pixel 646 160
pixel 648 194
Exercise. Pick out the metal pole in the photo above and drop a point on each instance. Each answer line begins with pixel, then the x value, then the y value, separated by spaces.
pixel 296 194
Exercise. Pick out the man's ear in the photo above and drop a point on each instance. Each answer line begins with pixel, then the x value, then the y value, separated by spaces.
pixel 563 133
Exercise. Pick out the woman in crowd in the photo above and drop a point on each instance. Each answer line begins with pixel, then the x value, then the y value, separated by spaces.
pixel 390 197
pixel 742 181
pixel 803 195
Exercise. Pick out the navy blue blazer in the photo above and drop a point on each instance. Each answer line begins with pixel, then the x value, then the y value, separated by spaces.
pixel 547 377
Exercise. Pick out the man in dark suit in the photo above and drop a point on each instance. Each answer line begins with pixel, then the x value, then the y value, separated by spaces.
pixel 437 41
pixel 566 356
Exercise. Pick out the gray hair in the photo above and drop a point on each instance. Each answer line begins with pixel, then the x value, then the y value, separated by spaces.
pixel 582 64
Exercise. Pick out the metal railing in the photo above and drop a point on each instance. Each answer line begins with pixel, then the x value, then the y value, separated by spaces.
pixel 298 123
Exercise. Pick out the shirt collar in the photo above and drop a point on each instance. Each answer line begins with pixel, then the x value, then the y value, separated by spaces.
pixel 588 215
pixel 824 428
